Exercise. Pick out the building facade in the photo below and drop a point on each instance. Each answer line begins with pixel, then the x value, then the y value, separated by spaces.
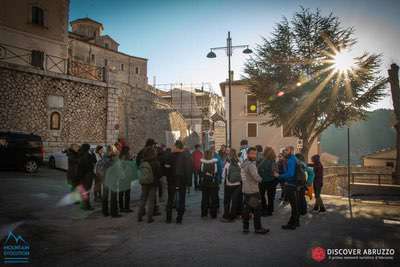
pixel 248 123
pixel 382 158
pixel 74 87
pixel 203 112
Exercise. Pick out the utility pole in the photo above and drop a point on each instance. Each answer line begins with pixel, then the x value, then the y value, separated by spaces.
pixel 395 90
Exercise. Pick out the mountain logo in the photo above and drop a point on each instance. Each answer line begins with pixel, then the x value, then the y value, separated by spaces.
pixel 15 249
pixel 17 239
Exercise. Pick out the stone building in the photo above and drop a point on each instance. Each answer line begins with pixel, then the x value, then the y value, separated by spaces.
pixel 74 87
pixel 382 158
pixel 247 122
pixel 201 109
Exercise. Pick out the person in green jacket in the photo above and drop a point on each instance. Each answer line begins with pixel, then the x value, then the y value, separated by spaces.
pixel 268 170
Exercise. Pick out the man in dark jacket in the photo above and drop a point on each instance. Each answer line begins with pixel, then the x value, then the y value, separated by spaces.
pixel 182 171
pixel 86 174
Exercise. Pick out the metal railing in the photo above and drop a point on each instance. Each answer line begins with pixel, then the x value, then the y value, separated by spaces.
pixel 371 177
pixel 86 71
pixel 22 56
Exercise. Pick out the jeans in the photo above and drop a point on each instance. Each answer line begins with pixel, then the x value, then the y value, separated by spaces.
pixel 270 189
pixel 209 201
pixel 148 197
pixel 292 197
pixel 231 201
pixel 109 197
pixel 180 203
pixel 124 198
pixel 196 177
pixel 248 208
pixel 319 204
pixel 302 200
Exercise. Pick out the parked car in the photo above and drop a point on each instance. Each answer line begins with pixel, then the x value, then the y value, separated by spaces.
pixel 59 159
pixel 21 151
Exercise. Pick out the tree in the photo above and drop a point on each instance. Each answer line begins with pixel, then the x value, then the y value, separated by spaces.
pixel 306 82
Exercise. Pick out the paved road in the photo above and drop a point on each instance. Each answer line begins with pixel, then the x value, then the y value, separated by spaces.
pixel 67 236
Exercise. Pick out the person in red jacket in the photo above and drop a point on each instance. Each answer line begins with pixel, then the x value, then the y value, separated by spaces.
pixel 197 155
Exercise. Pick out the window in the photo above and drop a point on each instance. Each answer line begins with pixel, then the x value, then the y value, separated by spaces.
pixel 137 70
pixel 37 16
pixel 105 62
pixel 122 67
pixel 93 57
pixel 55 121
pixel 390 164
pixel 37 58
pixel 106 45
pixel 252 129
pixel 251 104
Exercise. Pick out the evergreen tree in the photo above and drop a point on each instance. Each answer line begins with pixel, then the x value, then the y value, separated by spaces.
pixel 303 81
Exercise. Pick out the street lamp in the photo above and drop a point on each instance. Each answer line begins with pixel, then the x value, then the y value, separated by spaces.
pixel 229 49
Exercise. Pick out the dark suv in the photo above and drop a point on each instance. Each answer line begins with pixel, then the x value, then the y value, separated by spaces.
pixel 21 151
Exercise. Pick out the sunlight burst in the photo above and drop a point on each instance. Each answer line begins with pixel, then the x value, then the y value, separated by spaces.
pixel 343 61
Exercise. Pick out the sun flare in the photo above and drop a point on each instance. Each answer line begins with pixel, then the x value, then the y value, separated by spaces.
pixel 343 61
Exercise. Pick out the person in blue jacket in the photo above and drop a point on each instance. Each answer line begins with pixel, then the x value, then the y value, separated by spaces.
pixel 290 187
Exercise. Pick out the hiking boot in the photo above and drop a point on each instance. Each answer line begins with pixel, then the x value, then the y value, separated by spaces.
pixel 288 227
pixel 261 231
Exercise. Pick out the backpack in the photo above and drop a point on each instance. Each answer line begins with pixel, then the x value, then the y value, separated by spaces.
pixel 146 175
pixel 301 176
pixel 234 175
pixel 208 180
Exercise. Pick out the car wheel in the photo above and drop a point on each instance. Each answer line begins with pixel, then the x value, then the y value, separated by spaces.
pixel 31 166
pixel 52 163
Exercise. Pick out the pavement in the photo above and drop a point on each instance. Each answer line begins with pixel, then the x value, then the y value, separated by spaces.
pixel 68 236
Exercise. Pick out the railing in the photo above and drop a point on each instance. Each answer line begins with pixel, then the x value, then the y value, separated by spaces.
pixel 371 178
pixel 86 71
pixel 15 54
pixel 22 56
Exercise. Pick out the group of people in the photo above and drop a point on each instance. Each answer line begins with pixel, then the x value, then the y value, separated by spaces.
pixel 249 177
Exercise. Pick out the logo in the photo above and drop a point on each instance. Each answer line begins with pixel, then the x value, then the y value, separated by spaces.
pixel 318 254
pixel 15 249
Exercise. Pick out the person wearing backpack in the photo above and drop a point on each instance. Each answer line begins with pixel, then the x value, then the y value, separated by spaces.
pixel 232 186
pixel 149 174
pixel 302 188
pixel 268 171
pixel 209 185
pixel 289 178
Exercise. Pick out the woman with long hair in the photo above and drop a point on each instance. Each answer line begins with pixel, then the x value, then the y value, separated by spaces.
pixel 268 171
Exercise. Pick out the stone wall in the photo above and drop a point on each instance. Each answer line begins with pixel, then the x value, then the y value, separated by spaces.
pixel 25 106
pixel 142 115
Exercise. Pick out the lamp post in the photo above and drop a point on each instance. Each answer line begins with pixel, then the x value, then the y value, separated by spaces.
pixel 229 49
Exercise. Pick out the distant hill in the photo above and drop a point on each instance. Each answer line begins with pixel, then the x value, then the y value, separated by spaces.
pixel 367 136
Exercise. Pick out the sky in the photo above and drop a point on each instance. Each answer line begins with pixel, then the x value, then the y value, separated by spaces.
pixel 175 36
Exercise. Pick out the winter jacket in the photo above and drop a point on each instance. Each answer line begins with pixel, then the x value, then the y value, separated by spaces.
pixel 289 176
pixel 208 173
pixel 197 156
pixel 182 169
pixel 73 162
pixel 130 172
pixel 266 170
pixel 225 175
pixel 250 177
pixel 319 175
pixel 220 166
